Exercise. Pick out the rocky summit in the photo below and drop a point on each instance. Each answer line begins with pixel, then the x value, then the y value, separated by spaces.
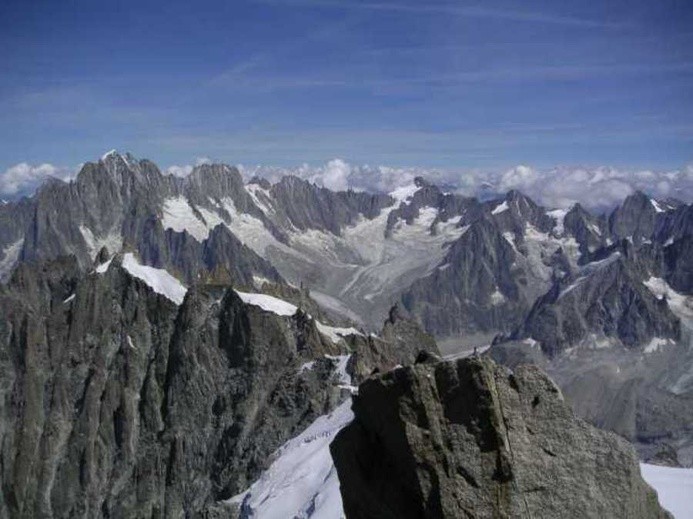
pixel 472 439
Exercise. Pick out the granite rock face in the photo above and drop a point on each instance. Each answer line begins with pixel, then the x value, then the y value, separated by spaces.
pixel 115 402
pixel 400 341
pixel 607 302
pixel 476 290
pixel 635 218
pixel 307 206
pixel 119 404
pixel 118 202
pixel 471 439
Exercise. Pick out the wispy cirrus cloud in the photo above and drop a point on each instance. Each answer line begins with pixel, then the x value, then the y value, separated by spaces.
pixel 447 9
pixel 492 74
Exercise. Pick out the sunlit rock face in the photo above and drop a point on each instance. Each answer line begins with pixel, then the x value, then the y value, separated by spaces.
pixel 471 439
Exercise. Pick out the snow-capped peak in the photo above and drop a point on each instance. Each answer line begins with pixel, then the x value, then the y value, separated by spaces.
pixel 111 153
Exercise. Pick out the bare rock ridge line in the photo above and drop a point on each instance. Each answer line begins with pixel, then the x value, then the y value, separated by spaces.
pixel 116 401
pixel 458 264
pixel 469 438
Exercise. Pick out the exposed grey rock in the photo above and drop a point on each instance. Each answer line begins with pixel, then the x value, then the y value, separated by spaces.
pixel 114 402
pixel 307 206
pixel 521 210
pixel 117 201
pixel 118 403
pixel 429 195
pixel 605 301
pixel 458 297
pixel 470 439
pixel 587 229
pixel 665 456
pixel 399 343
pixel 678 264
pixel 14 217
pixel 634 219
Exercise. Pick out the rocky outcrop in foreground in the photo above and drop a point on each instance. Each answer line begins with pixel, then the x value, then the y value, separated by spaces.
pixel 118 402
pixel 471 439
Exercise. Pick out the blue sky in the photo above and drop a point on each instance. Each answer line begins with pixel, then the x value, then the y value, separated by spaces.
pixel 440 84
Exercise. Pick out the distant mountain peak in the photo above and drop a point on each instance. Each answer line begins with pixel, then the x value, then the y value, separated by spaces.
pixel 109 154
pixel 421 182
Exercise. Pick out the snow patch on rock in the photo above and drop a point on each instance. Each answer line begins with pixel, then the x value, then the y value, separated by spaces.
pixel 101 269
pixel 10 255
pixel 251 231
pixel 268 303
pixel 558 216
pixel 500 208
pixel 178 215
pixel 404 193
pixel 113 241
pixel 497 298
pixel 657 344
pixel 334 333
pixel 343 377
pixel 656 206
pixel 159 280
pixel 261 198
pixel 680 305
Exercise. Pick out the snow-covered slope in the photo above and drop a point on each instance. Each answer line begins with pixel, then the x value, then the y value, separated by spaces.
pixel 158 279
pixel 268 303
pixel 302 481
pixel 674 488
pixel 335 333
pixel 365 267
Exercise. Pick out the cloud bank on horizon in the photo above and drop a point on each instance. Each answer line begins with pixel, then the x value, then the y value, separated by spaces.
pixel 597 188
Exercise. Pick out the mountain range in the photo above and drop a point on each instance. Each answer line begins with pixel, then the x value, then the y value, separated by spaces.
pixel 118 313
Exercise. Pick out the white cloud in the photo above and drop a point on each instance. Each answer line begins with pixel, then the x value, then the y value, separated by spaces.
pixel 335 175
pixel 518 177
pixel 184 171
pixel 179 171
pixel 24 178
pixel 599 188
